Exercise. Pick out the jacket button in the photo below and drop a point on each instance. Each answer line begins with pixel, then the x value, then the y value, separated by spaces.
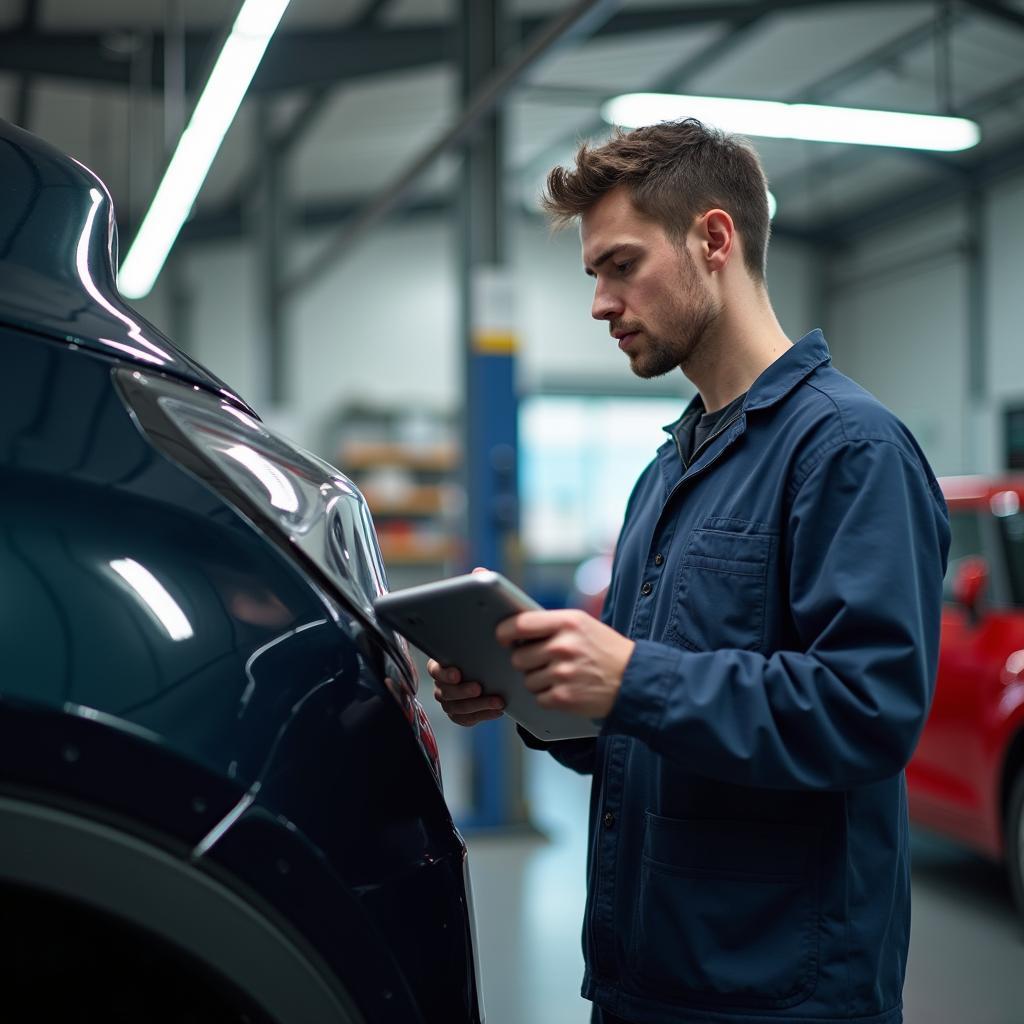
pixel 646 589
pixel 659 558
pixel 609 819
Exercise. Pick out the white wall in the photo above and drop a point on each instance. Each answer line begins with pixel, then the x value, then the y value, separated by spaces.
pixel 1005 303
pixel 899 319
pixel 381 327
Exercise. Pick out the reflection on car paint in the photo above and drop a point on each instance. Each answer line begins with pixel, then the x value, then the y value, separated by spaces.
pixel 154 597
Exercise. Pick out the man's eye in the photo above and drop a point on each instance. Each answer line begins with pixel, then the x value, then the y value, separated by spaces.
pixel 624 267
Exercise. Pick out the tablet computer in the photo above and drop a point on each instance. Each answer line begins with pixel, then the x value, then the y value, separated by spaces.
pixel 453 621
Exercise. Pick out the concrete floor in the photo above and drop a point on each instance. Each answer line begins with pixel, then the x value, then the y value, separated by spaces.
pixel 967 947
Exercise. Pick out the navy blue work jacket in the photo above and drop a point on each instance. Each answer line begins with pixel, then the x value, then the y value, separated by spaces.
pixel 748 854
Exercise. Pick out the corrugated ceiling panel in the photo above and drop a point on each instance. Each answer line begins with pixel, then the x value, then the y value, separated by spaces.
pixel 112 14
pixel 625 63
pixel 795 49
pixel 370 132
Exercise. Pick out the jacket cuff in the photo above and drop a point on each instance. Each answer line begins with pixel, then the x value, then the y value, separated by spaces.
pixel 640 705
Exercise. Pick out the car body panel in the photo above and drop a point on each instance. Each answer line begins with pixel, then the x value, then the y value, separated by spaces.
pixel 58 247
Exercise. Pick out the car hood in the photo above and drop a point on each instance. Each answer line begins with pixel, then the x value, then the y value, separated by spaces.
pixel 58 250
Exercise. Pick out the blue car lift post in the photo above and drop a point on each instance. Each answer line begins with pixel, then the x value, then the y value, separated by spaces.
pixel 489 344
pixel 491 406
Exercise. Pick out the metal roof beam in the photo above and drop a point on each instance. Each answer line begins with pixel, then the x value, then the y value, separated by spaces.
pixel 578 21
pixel 1007 15
pixel 229 223
pixel 857 156
pixel 674 79
pixel 371 13
pixel 22 101
pixel 301 121
pixel 916 200
pixel 303 58
pixel 888 53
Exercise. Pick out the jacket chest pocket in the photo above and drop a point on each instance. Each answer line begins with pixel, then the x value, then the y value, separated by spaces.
pixel 721 588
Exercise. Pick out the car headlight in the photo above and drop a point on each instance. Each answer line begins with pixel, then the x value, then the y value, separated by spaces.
pixel 302 503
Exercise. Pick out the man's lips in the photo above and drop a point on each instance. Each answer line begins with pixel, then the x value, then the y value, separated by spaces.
pixel 624 338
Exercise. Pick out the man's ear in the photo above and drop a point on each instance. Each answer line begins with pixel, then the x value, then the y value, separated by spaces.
pixel 717 234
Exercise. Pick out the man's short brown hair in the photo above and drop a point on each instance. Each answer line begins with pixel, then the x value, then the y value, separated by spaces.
pixel 674 171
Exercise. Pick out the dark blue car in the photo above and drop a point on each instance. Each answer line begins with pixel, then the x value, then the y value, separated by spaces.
pixel 220 799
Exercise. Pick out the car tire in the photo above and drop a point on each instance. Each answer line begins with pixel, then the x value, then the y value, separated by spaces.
pixel 1015 842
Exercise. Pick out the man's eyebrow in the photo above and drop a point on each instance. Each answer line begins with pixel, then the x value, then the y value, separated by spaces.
pixel 606 255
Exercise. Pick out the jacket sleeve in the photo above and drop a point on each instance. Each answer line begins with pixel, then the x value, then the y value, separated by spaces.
pixel 864 555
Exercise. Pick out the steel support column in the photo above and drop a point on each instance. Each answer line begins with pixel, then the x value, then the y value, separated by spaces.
pixel 977 397
pixel 490 417
pixel 271 235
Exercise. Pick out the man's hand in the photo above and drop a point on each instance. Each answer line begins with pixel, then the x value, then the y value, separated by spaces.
pixel 571 661
pixel 465 703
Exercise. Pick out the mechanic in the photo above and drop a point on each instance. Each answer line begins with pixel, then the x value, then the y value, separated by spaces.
pixel 767 650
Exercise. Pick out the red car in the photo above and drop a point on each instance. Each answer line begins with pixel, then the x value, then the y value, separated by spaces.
pixel 966 779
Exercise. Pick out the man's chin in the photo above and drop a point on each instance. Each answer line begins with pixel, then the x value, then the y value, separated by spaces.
pixel 646 369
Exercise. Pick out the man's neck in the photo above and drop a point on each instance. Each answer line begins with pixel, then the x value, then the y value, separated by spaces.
pixel 740 346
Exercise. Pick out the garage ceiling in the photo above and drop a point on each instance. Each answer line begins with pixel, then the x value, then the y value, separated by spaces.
pixel 355 90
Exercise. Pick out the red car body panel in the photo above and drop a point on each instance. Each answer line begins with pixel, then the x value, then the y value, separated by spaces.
pixel 956 779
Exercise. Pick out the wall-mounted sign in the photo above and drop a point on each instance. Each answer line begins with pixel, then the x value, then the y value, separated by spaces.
pixel 1015 436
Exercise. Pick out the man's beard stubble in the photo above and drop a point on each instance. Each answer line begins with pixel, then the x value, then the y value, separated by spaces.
pixel 691 318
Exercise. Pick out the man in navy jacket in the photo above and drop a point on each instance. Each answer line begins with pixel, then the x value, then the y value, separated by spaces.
pixel 767 651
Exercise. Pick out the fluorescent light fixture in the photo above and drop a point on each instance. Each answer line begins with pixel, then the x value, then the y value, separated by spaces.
pixel 152 593
pixel 808 121
pixel 198 145
pixel 773 205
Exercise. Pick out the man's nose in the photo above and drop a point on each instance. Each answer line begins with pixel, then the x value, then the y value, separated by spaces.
pixel 606 305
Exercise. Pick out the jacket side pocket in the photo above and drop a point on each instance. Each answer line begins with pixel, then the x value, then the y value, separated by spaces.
pixel 727 913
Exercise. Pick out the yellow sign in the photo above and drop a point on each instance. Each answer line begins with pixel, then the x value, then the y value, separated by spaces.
pixel 495 343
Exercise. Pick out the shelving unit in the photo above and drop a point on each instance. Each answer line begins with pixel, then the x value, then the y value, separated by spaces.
pixel 408 471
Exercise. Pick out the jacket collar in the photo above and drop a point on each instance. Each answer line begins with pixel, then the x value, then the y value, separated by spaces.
pixel 793 366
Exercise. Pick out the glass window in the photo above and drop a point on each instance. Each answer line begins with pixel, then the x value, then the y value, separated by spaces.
pixel 964 543
pixel 1012 530
pixel 579 458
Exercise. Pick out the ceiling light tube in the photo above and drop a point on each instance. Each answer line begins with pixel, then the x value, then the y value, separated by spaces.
pixel 808 121
pixel 237 63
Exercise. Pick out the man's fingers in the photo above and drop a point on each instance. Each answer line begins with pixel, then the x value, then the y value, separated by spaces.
pixel 529 626
pixel 457 691
pixel 442 673
pixel 530 657
pixel 555 697
pixel 471 705
pixel 540 681
pixel 476 717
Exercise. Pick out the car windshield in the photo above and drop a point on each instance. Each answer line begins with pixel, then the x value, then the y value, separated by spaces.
pixel 1012 530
